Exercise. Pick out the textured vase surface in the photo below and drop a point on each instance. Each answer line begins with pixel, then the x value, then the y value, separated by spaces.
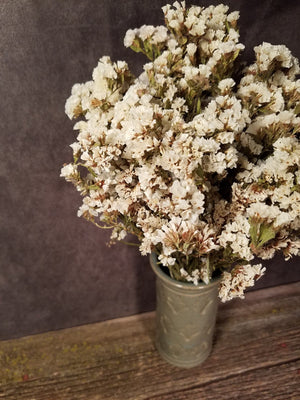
pixel 185 318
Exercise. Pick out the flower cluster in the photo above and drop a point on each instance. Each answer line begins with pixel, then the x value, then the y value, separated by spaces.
pixel 197 157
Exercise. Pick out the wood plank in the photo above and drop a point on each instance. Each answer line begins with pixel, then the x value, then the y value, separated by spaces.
pixel 280 382
pixel 255 339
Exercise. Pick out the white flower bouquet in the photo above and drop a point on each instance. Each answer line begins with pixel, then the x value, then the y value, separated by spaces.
pixel 199 156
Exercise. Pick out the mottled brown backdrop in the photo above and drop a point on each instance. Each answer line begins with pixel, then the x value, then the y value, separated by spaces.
pixel 55 269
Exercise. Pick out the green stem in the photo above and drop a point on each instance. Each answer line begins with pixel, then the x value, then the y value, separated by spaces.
pixel 129 243
pixel 99 226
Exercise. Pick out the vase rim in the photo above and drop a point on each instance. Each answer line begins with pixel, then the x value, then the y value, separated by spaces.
pixel 181 285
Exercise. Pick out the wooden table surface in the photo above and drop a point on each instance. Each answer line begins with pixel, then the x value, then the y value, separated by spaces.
pixel 256 356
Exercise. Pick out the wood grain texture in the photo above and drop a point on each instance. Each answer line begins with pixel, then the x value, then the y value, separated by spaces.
pixel 256 355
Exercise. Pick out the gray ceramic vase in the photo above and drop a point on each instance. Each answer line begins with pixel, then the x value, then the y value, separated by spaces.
pixel 185 318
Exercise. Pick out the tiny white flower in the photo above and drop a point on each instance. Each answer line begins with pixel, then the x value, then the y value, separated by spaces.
pixel 129 37
pixel 68 171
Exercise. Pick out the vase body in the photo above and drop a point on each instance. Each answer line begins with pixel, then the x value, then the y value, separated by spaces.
pixel 185 318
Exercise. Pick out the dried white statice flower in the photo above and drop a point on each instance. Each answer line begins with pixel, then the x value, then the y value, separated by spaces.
pixel 196 157
pixel 241 277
